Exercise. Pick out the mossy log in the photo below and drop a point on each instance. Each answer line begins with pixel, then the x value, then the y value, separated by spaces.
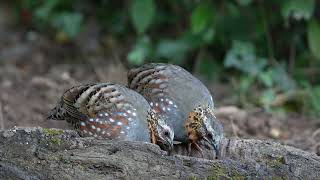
pixel 36 153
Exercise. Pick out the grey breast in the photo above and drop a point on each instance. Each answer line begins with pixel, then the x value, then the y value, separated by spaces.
pixel 139 130
pixel 188 92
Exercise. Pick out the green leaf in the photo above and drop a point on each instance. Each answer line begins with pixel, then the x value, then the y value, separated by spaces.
pixel 268 96
pixel 142 13
pixel 44 11
pixel 266 78
pixel 202 17
pixel 68 22
pixel 174 50
pixel 315 98
pixel 209 68
pixel 242 57
pixel 282 79
pixel 298 9
pixel 140 52
pixel 314 38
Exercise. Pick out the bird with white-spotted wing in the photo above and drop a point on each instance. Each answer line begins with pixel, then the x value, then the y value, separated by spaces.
pixel 181 99
pixel 112 111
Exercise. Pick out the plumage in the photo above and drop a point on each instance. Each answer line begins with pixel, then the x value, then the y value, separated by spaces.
pixel 176 95
pixel 109 111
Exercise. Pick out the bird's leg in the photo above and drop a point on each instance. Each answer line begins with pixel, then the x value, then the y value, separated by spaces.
pixel 189 148
pixel 199 149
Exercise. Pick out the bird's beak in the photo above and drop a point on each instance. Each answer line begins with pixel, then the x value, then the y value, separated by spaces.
pixel 214 145
pixel 166 145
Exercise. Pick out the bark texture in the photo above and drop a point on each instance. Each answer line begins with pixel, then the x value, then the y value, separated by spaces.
pixel 36 153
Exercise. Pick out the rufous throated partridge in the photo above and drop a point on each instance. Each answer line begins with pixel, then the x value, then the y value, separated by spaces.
pixel 182 100
pixel 112 111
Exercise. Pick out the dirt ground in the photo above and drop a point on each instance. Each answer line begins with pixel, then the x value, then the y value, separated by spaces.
pixel 36 70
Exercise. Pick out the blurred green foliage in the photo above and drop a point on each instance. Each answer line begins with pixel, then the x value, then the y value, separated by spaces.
pixel 268 49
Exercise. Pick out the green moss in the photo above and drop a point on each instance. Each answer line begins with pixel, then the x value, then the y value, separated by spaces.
pixel 276 162
pixel 221 172
pixel 52 132
pixel 56 141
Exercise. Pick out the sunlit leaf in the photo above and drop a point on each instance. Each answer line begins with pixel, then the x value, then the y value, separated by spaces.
pixel 202 17
pixel 142 13
pixel 314 38
pixel 298 9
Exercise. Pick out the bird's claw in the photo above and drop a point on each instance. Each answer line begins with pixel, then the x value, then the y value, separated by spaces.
pixel 197 147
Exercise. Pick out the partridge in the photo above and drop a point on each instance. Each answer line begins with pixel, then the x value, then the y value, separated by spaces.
pixel 182 100
pixel 112 111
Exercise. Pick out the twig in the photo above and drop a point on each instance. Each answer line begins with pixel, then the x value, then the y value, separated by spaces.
pixel 1 117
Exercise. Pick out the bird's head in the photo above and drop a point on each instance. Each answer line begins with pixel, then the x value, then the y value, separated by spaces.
pixel 203 125
pixel 161 133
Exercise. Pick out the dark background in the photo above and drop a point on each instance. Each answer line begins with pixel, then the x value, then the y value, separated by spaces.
pixel 260 59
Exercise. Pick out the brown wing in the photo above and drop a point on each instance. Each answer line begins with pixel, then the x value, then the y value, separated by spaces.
pixel 151 81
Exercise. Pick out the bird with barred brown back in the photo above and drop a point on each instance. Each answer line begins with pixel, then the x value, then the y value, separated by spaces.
pixel 182 100
pixel 112 111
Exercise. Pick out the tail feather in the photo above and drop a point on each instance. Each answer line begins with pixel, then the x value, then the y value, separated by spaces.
pixel 57 113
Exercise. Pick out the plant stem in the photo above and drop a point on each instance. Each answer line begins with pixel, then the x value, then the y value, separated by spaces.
pixel 268 34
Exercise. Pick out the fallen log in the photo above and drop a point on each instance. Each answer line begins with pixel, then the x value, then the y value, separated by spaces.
pixel 36 153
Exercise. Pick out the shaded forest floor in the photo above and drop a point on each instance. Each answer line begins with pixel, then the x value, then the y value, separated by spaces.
pixel 35 71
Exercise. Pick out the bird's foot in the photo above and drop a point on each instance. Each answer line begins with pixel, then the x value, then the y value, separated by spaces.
pixel 189 150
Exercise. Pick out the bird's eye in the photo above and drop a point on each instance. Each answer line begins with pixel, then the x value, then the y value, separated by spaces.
pixel 166 133
pixel 209 135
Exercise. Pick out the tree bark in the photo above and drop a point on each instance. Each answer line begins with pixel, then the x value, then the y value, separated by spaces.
pixel 36 153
